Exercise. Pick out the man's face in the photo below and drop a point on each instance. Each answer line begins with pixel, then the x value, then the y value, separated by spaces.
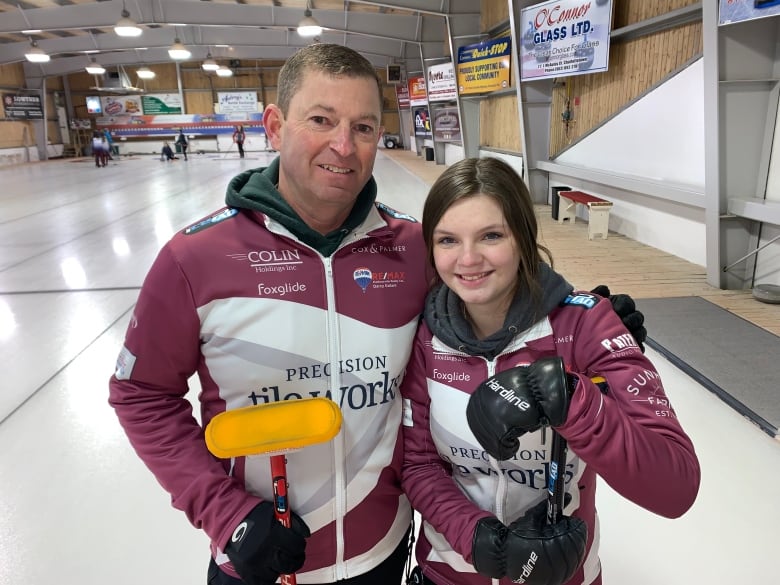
pixel 327 145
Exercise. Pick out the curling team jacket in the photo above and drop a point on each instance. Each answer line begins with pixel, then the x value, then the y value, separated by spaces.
pixel 262 315
pixel 628 434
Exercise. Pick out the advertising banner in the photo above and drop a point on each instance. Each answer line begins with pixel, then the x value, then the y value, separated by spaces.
pixel 422 123
pixel 143 126
pixel 237 101
pixel 402 95
pixel 417 94
pixel 565 37
pixel 118 105
pixel 739 10
pixel 446 124
pixel 22 107
pixel 161 103
pixel 441 83
pixel 484 67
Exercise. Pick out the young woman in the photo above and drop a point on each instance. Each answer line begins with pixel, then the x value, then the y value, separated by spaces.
pixel 498 305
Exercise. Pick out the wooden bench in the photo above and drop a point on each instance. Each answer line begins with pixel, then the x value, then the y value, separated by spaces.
pixel 598 211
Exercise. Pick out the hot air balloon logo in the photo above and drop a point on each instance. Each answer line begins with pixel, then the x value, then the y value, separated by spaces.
pixel 363 277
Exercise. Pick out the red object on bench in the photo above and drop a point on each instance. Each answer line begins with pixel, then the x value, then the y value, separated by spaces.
pixel 598 211
pixel 583 198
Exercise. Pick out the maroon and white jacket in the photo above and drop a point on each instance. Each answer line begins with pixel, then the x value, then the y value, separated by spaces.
pixel 259 317
pixel 630 436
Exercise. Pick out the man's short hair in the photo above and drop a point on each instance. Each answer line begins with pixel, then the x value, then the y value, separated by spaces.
pixel 334 60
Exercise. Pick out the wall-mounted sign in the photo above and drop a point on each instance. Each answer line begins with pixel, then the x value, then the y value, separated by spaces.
pixel 422 123
pixel 446 125
pixel 122 104
pixel 402 95
pixel 441 83
pixel 484 67
pixel 161 103
pixel 237 101
pixel 739 10
pixel 22 107
pixel 417 94
pixel 564 37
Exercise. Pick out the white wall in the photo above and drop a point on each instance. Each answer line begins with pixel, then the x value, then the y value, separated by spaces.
pixel 659 138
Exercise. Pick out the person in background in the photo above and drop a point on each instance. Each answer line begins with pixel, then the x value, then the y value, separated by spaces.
pixel 181 140
pixel 99 149
pixel 110 147
pixel 507 348
pixel 167 152
pixel 303 285
pixel 238 137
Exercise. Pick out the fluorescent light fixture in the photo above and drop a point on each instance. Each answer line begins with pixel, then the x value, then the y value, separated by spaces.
pixel 32 31
pixel 209 64
pixel 95 68
pixel 308 26
pixel 178 51
pixel 224 71
pixel 35 54
pixel 126 26
pixel 145 73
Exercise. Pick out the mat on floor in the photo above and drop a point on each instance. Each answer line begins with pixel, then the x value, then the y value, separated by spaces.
pixel 725 353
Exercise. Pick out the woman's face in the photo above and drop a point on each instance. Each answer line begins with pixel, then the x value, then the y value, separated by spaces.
pixel 476 255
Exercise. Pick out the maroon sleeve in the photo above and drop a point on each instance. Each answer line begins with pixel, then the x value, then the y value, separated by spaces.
pixel 629 435
pixel 426 477
pixel 148 392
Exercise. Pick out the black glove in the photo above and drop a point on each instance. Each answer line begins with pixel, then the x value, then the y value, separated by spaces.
pixel 517 401
pixel 538 553
pixel 488 548
pixel 501 409
pixel 261 548
pixel 625 308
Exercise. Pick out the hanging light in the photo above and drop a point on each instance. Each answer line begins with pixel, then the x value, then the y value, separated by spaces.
pixel 224 71
pixel 126 26
pixel 308 26
pixel 179 51
pixel 35 54
pixel 145 73
pixel 209 64
pixel 95 68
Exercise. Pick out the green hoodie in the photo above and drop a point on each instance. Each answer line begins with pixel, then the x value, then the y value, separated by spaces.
pixel 256 190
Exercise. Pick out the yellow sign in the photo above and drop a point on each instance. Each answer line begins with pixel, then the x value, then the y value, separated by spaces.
pixel 484 67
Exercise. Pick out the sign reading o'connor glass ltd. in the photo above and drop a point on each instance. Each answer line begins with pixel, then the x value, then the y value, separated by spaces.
pixel 564 37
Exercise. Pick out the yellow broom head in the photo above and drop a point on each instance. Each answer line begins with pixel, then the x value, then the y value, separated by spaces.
pixel 273 427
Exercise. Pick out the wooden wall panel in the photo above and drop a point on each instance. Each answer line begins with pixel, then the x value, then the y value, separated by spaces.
pixel 627 12
pixel 493 13
pixel 499 124
pixel 12 76
pixel 635 67
pixel 199 102
pixel 12 134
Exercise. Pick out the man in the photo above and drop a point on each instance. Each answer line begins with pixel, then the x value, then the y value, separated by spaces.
pixel 303 286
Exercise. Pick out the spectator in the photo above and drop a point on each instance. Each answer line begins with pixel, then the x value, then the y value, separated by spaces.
pixel 238 137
